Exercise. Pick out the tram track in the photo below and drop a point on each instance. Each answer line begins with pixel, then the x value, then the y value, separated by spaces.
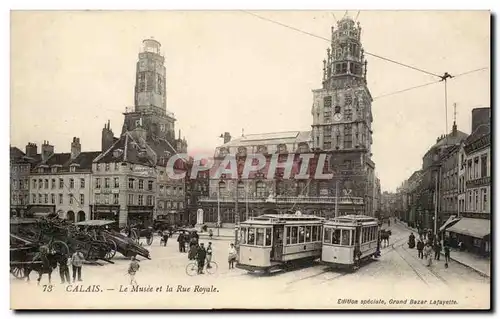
pixel 419 273
pixel 384 250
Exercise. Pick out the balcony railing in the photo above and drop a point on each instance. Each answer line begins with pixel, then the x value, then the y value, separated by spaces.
pixel 285 200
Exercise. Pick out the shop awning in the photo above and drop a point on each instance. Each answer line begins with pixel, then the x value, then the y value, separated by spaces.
pixel 474 227
pixel 453 219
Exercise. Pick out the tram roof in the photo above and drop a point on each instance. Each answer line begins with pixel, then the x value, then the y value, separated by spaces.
pixel 272 218
pixel 352 219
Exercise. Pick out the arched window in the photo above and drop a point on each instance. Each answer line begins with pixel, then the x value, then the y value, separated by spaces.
pixel 81 216
pixel 260 189
pixel 70 216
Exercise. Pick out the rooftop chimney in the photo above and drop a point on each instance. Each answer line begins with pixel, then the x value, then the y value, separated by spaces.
pixel 227 137
pixel 47 150
pixel 31 150
pixel 76 148
pixel 480 116
pixel 107 138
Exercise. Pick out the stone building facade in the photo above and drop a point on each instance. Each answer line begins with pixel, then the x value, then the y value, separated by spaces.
pixel 131 185
pixel 61 183
pixel 341 131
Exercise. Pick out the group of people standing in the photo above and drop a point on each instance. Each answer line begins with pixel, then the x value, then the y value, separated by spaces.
pixel 429 247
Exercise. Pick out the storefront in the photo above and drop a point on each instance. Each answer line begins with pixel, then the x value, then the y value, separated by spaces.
pixel 107 212
pixel 140 215
pixel 474 233
pixel 38 211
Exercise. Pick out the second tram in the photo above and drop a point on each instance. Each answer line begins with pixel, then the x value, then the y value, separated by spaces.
pixel 348 240
pixel 270 242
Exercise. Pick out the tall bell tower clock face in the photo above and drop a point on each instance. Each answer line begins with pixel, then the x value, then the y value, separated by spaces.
pixel 337 117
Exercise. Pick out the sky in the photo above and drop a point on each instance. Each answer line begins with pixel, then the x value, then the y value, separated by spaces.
pixel 71 72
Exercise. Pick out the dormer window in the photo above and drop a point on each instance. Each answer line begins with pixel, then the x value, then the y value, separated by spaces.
pixel 54 169
pixel 72 169
pixel 97 167
pixel 40 170
pixel 117 153
pixel 162 127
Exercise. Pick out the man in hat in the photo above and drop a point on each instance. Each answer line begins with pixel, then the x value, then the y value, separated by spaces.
pixel 77 263
pixel 133 269
pixel 201 255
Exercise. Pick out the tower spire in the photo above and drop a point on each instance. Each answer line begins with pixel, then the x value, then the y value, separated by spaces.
pixel 454 129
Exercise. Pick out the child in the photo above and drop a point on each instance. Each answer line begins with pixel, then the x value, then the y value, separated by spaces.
pixel 132 269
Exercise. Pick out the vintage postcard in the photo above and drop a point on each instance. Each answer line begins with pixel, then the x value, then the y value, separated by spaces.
pixel 250 160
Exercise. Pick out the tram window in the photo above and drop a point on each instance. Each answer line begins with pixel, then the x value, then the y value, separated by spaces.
pixel 345 237
pixel 328 236
pixel 301 234
pixel 251 236
pixel 336 237
pixel 308 234
pixel 244 235
pixel 268 236
pixel 314 233
pixel 372 237
pixel 288 237
pixel 294 235
pixel 260 237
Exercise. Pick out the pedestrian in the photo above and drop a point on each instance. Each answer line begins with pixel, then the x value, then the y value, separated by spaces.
pixel 210 233
pixel 182 245
pixel 232 256
pixel 133 268
pixel 164 236
pixel 209 254
pixel 420 248
pixel 437 250
pixel 428 254
pixel 446 255
pixel 201 255
pixel 64 268
pixel 193 251
pixel 77 263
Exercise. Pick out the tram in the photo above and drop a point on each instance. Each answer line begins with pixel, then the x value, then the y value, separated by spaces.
pixel 271 242
pixel 348 240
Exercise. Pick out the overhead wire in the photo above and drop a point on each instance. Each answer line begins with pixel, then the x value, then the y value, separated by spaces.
pixel 329 40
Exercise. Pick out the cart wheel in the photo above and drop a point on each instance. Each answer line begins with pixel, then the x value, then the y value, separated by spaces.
pixel 17 271
pixel 149 240
pixel 60 247
pixel 192 269
pixel 112 249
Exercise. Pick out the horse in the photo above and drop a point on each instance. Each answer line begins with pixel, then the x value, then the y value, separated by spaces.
pixel 384 237
pixel 49 263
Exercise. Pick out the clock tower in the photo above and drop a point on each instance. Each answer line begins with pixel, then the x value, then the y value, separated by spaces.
pixel 150 96
pixel 342 107
pixel 342 116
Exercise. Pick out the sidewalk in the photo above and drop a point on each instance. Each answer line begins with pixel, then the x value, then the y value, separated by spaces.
pixel 479 264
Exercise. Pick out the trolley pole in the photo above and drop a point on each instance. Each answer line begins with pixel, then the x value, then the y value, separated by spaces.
pixel 246 201
pixel 336 198
pixel 218 212
pixel 236 218
pixel 436 202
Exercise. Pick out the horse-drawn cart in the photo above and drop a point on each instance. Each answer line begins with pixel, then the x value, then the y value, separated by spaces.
pixel 136 232
pixel 127 246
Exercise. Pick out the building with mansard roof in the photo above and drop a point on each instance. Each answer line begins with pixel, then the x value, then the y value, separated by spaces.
pixel 61 183
pixel 129 181
pixel 341 130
